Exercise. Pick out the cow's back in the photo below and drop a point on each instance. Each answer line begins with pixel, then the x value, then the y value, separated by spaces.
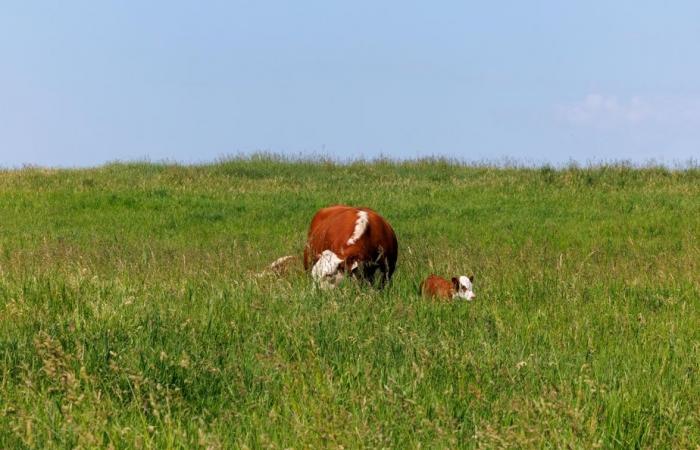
pixel 380 242
pixel 329 228
pixel 332 227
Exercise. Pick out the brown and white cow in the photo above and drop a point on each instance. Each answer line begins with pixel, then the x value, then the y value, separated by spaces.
pixel 344 240
pixel 438 287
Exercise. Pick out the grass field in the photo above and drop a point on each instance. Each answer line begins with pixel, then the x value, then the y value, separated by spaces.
pixel 131 314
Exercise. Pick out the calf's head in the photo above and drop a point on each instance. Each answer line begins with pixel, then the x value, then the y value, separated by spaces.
pixel 463 287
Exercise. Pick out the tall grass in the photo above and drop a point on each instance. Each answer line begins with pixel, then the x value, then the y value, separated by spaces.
pixel 135 312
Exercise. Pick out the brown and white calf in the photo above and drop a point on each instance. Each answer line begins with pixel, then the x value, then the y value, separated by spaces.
pixel 438 287
pixel 348 241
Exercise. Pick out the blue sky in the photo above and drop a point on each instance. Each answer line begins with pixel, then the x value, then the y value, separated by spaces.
pixel 84 82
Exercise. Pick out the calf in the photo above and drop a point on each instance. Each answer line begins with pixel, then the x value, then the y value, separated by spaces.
pixel 344 240
pixel 438 287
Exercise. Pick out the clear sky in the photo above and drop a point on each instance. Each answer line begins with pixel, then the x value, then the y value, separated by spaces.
pixel 86 82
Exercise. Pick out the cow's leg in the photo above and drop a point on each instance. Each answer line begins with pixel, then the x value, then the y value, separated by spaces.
pixel 369 271
pixel 386 271
pixel 364 272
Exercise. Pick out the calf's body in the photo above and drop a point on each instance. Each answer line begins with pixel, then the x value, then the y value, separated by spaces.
pixel 440 288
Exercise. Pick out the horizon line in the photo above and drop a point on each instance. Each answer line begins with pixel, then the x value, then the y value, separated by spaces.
pixel 504 162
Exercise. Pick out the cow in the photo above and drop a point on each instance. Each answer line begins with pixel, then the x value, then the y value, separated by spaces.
pixel 348 241
pixel 438 287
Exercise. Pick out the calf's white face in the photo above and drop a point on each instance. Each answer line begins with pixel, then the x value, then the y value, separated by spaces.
pixel 326 270
pixel 463 288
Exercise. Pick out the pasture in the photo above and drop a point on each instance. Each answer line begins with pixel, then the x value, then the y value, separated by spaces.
pixel 133 313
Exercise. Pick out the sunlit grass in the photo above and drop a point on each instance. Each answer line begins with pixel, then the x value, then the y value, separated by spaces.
pixel 135 310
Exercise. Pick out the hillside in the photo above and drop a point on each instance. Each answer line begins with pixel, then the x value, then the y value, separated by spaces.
pixel 134 311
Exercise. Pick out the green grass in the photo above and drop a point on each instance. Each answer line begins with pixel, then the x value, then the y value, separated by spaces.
pixel 131 314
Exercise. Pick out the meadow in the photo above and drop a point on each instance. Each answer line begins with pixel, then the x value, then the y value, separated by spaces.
pixel 135 311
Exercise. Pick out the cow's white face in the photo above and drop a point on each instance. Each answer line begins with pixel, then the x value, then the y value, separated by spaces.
pixel 463 288
pixel 326 272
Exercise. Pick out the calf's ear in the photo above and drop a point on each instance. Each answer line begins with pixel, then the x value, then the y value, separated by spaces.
pixel 455 283
pixel 471 278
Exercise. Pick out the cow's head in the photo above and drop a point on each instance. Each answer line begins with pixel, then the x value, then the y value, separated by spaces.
pixel 329 270
pixel 463 287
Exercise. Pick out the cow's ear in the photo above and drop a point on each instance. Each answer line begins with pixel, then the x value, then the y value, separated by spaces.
pixel 455 283
pixel 471 278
